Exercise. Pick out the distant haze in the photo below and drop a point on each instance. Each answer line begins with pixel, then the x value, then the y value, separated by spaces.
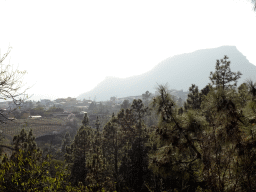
pixel 179 72
pixel 69 47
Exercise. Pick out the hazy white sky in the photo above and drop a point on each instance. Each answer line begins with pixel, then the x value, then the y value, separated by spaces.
pixel 68 47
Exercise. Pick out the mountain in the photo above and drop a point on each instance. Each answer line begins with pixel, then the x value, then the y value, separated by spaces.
pixel 179 71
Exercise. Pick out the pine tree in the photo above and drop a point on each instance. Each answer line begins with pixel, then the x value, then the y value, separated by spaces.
pixel 180 111
pixel 25 142
pixel 97 169
pixel 223 76
pixel 134 167
pixel 223 138
pixel 252 88
pixel 131 121
pixel 78 151
pixel 27 170
pixel 97 124
pixel 112 151
pixel 246 148
pixel 194 99
pixel 119 135
pixel 243 91
pixel 227 157
pixel 139 110
pixel 205 90
pixel 178 152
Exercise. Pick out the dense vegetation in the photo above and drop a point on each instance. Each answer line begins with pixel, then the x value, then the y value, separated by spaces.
pixel 207 144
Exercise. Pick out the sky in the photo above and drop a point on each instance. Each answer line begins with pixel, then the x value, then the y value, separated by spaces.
pixel 68 47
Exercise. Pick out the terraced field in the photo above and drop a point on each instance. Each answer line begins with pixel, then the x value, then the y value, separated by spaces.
pixel 39 127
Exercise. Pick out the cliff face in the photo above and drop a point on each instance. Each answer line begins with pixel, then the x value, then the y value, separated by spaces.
pixel 179 72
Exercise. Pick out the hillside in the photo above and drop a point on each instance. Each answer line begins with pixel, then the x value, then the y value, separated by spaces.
pixel 179 72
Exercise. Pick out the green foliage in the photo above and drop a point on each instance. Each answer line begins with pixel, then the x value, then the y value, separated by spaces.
pixel 209 146
pixel 243 94
pixel 25 142
pixel 194 98
pixel 134 167
pixel 252 88
pixel 56 166
pixel 96 164
pixel 26 170
pixel 112 145
pixel 77 153
pixel 177 154
pixel 223 76
pixel 221 145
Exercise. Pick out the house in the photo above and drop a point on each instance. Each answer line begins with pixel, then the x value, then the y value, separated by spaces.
pixel 35 117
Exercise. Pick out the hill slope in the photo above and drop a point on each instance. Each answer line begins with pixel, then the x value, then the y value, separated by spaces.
pixel 179 72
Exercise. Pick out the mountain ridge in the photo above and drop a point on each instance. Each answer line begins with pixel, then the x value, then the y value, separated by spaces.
pixel 179 71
